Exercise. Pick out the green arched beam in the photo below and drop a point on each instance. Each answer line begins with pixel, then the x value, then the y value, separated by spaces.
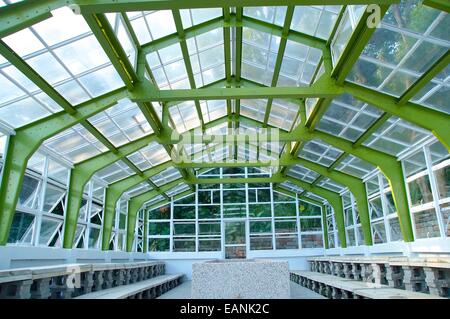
pixel 356 186
pixel 27 140
pixel 115 191
pixel 136 203
pixel 82 173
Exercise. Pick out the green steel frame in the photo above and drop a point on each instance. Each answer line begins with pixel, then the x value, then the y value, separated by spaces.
pixel 28 138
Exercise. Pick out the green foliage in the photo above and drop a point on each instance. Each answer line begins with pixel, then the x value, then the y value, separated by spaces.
pixel 259 210
pixel 159 244
pixel 184 212
pixel 162 212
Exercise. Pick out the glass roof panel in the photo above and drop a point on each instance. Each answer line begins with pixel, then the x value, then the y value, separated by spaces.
pixel 315 197
pixel 121 123
pixel 292 187
pixel 168 175
pixel 155 200
pixel 303 174
pixel 177 189
pixel 331 185
pixel 139 189
pixel 272 15
pixel 348 117
pixel 298 65
pixel 254 109
pixel 206 52
pixel 75 144
pixel 152 25
pixel 115 172
pixel 320 152
pixel 355 166
pixel 168 67
pixel 317 21
pixel 436 93
pixel 283 114
pixel 402 49
pixel 348 23
pixel 184 116
pixel 53 49
pixel 192 17
pixel 8 2
pixel 259 53
pixel 149 156
pixel 395 136
pixel 213 109
pixel 123 34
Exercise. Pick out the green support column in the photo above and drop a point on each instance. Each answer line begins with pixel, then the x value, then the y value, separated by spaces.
pixel 396 180
pixel 108 206
pixel 27 140
pixel 116 190
pixel 82 173
pixel 131 223
pixel 355 185
pixel 325 227
pixel 18 152
pixel 387 164
pixel 145 236
pixel 136 203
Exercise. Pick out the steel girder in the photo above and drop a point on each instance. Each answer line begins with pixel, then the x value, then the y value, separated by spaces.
pixel 27 140
pixel 104 33
pixel 136 203
pixel 115 191
pixel 82 173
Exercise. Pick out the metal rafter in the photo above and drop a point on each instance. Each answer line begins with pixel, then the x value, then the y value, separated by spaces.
pixel 279 60
pixel 187 61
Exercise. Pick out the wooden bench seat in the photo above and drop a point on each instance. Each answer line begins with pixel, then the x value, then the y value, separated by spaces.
pixel 122 292
pixel 362 289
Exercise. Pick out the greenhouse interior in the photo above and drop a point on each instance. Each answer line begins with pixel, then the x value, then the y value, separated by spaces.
pixel 170 149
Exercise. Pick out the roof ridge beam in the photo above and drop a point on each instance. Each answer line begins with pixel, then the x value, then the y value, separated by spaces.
pixel 187 61
pixel 279 60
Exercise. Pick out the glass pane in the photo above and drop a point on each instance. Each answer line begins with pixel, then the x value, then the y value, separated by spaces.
pixel 159 244
pixel 235 252
pixel 420 191
pixel 234 233
pixel 286 241
pixel 159 229
pixel 48 228
pixel 162 212
pixel 396 233
pixel 310 224
pixel 426 224
pixel 20 231
pixel 445 212
pixel 312 241
pixel 261 242
pixel 183 244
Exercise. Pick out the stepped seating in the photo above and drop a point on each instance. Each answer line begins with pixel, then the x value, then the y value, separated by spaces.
pixel 429 275
pixel 341 288
pixel 72 280
pixel 147 289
